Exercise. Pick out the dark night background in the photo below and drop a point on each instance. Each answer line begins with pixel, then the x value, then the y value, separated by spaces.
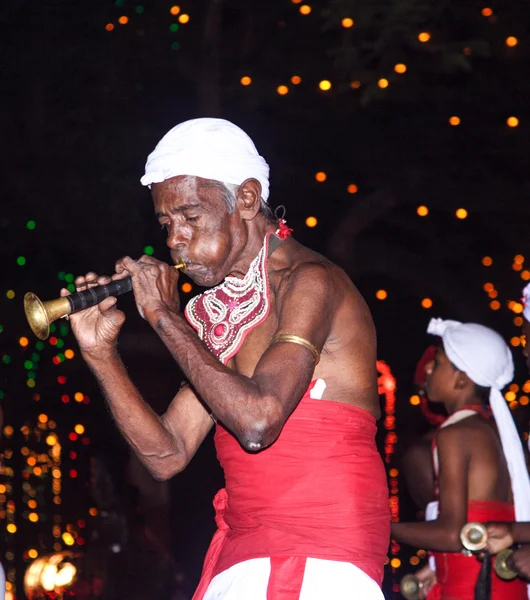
pixel 82 108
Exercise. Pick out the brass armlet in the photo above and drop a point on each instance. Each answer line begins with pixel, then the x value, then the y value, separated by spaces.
pixel 296 339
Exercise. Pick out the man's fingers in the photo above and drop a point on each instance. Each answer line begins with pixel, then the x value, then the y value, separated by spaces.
pixel 82 282
pixel 126 264
pixel 64 292
pixel 107 304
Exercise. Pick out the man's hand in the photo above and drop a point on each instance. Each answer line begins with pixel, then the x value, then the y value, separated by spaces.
pixel 427 578
pixel 521 561
pixel 154 284
pixel 96 328
pixel 499 537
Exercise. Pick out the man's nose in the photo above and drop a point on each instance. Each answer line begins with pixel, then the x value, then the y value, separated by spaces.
pixel 177 238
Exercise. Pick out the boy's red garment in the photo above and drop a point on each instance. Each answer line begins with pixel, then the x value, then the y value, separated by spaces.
pixel 319 491
pixel 457 573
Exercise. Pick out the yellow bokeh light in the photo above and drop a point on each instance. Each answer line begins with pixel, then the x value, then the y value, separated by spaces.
pixel 511 41
pixel 461 213
pixel 395 563
pixel 516 307
pixel 381 294
pixel 184 18
pixel 43 418
pixel 510 396
pixel 325 85
pixel 422 211
pixel 32 553
pixel 526 387
pixel 174 10
pixel 415 400
pixel 11 528
pixel 79 429
pixel 305 9
pixel 282 90
pixel 512 121
pixel 68 538
pixel 123 20
pixel 51 440
pixel 79 397
pixel 32 504
pixel 311 221
pixel 33 517
pixel 37 471
pixel 10 294
pixel 32 461
pixel 400 68
pixel 186 288
pixel 321 176
pixel 454 121
pixel 352 188
pixel 424 36
pixel 23 341
pixel 347 22
pixel 426 303
pixel 246 80
pixel 487 261
pixel 383 83
pixel 487 12
pixel 69 353
pixel 296 79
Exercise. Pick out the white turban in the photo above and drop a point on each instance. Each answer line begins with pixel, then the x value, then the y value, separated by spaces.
pixel 485 357
pixel 526 302
pixel 208 148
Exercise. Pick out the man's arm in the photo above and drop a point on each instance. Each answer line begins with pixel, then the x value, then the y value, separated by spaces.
pixel 443 534
pixel 256 408
pixel 165 444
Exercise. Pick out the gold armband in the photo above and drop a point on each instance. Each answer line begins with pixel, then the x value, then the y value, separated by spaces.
pixel 296 339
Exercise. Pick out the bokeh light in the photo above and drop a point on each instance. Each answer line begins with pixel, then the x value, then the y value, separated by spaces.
pixel 325 85
pixel 381 294
pixel 461 213
pixel 311 221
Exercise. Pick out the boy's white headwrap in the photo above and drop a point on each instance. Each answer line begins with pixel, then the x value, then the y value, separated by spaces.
pixel 485 357
pixel 526 302
pixel 209 148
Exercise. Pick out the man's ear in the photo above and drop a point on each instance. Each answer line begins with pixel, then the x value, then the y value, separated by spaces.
pixel 462 380
pixel 249 199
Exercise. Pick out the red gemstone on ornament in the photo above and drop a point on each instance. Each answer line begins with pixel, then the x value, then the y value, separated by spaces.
pixel 218 330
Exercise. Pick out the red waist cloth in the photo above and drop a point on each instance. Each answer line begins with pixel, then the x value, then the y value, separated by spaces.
pixel 457 573
pixel 319 491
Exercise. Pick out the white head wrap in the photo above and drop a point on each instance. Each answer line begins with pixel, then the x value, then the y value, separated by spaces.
pixel 526 302
pixel 485 357
pixel 209 148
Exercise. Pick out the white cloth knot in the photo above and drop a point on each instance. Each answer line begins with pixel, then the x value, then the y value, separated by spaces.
pixel 209 148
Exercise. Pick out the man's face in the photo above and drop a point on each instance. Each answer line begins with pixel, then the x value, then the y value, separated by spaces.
pixel 526 347
pixel 199 227
pixel 441 378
